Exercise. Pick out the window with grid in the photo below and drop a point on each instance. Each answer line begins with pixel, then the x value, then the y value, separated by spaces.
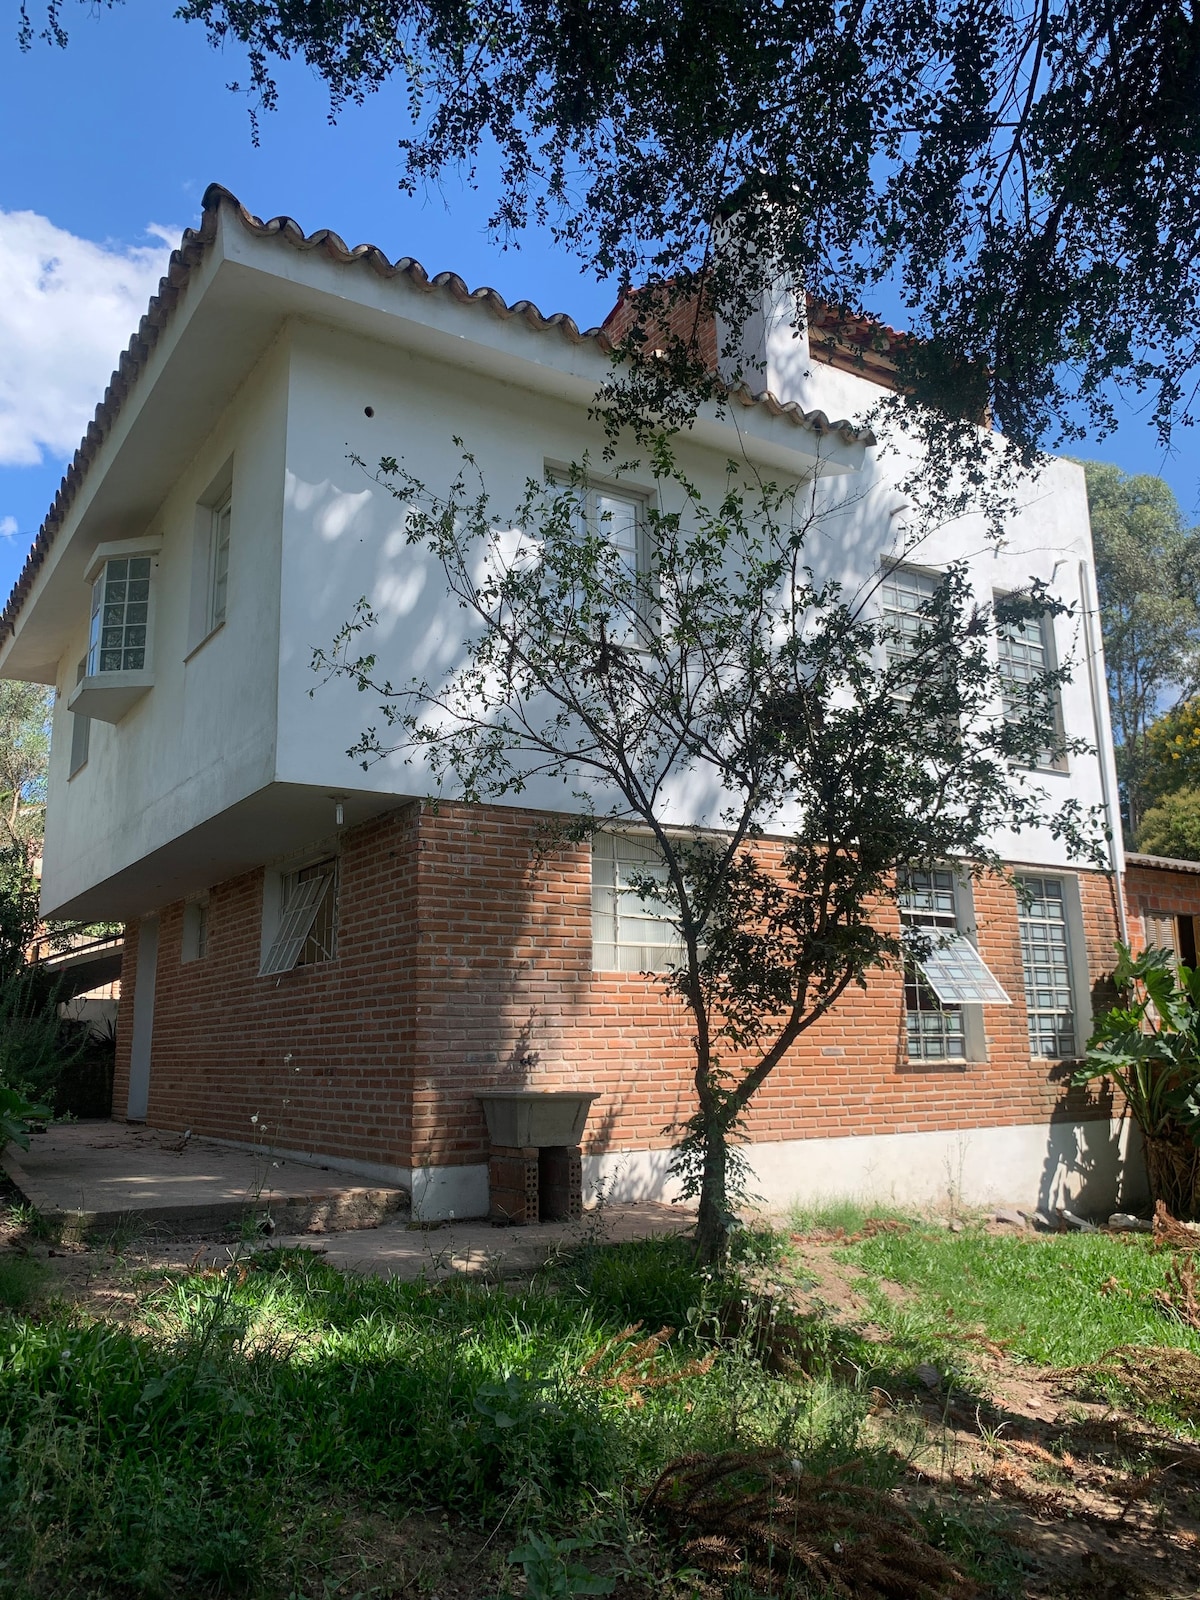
pixel 120 616
pixel 903 594
pixel 81 729
pixel 1046 958
pixel 1026 654
pixel 620 518
pixel 218 587
pixel 936 1032
pixel 629 934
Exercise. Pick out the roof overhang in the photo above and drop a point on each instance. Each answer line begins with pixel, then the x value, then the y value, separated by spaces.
pixel 231 288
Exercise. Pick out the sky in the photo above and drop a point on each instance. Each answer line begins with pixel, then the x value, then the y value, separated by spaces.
pixel 105 151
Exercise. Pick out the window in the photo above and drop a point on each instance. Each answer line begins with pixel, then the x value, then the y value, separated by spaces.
pixel 629 934
pixel 619 516
pixel 120 616
pixel 903 594
pixel 940 986
pixel 81 729
pixel 1026 652
pixel 218 582
pixel 307 927
pixel 195 931
pixel 1046 958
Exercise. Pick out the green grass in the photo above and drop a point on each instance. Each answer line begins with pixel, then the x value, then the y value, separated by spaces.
pixel 1061 1300
pixel 848 1214
pixel 212 1454
pixel 21 1281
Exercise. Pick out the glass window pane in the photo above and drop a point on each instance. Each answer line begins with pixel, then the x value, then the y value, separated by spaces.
pixel 139 567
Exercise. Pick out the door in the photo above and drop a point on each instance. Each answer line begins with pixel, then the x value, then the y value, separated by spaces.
pixel 143 1020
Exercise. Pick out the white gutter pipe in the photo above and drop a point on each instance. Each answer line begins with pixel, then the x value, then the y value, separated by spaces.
pixel 1090 600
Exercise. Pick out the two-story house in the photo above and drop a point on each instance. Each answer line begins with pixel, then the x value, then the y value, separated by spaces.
pixel 318 961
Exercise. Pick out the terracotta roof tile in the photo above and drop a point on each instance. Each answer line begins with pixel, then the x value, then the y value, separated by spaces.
pixel 191 251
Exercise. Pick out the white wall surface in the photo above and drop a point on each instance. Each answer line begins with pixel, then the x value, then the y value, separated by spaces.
pixel 204 736
pixel 344 539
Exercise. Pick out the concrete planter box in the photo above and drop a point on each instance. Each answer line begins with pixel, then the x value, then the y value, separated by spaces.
pixel 524 1118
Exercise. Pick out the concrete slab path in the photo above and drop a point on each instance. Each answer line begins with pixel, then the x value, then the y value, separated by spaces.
pixel 93 1176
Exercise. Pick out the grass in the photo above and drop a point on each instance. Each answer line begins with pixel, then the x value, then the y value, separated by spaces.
pixel 211 1452
pixel 269 1429
pixel 1063 1300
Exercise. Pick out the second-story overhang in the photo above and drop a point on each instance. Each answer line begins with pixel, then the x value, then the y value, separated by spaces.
pixel 230 290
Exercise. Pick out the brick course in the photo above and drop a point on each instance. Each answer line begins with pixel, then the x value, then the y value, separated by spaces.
pixel 464 962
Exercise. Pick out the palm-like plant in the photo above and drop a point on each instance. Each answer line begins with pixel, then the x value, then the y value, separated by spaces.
pixel 1149 1045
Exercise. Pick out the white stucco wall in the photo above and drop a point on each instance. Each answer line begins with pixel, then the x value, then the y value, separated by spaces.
pixel 344 539
pixel 204 736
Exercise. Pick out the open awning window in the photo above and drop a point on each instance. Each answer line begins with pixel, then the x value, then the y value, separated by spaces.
pixel 295 924
pixel 958 974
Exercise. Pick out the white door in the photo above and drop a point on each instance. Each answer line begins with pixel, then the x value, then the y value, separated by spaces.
pixel 143 1020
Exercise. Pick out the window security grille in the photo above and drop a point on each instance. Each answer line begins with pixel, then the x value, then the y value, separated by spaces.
pixel 1046 958
pixel 629 934
pixel 1025 656
pixel 301 906
pixel 120 615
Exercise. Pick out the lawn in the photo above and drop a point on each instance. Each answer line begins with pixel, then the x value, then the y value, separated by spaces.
pixel 277 1428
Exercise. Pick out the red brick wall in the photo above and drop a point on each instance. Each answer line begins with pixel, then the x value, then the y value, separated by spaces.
pixel 464 963
pixel 1157 889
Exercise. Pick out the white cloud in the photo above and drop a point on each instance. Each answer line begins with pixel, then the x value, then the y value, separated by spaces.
pixel 67 309
pixel 8 527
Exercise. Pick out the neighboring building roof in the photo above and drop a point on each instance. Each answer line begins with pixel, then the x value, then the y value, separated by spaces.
pixel 1162 863
pixel 192 248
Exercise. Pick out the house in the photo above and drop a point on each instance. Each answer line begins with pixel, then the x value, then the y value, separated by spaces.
pixel 318 962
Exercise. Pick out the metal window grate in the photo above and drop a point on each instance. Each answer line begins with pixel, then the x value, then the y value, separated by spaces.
pixel 120 616
pixel 1046 958
pixel 629 934
pixel 299 913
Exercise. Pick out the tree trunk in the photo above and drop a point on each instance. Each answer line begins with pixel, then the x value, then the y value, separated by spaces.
pixel 712 1221
pixel 1173 1169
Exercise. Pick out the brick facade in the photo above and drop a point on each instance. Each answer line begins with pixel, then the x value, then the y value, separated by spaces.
pixel 464 962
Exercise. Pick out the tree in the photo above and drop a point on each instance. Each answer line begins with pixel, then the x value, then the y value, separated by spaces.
pixel 1148 575
pixel 1024 174
pixel 1171 827
pixel 787 756
pixel 24 757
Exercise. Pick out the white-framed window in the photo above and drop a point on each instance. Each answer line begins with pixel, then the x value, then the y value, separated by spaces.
pixel 218 565
pixel 81 729
pixel 1026 654
pixel 307 917
pixel 945 987
pixel 629 934
pixel 619 515
pixel 119 628
pixel 1046 958
pixel 902 595
pixel 194 946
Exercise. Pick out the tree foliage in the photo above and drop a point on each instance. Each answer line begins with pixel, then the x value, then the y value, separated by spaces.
pixel 1025 172
pixel 751 721
pixel 1148 576
pixel 24 758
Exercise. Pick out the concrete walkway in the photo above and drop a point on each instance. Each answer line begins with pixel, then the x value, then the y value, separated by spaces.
pixel 106 1178
pixel 96 1177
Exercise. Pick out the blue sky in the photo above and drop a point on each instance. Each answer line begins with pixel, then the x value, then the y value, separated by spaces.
pixel 107 149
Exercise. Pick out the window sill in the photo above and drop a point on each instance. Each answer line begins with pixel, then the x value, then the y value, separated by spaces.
pixel 109 696
pixel 196 648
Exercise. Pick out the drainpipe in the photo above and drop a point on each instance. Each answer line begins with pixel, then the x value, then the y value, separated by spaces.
pixel 1090 599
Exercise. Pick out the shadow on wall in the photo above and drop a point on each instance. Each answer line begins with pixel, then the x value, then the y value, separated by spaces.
pixel 1093 1162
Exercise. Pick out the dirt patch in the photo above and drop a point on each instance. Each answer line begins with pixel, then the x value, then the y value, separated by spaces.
pixel 1098 1504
